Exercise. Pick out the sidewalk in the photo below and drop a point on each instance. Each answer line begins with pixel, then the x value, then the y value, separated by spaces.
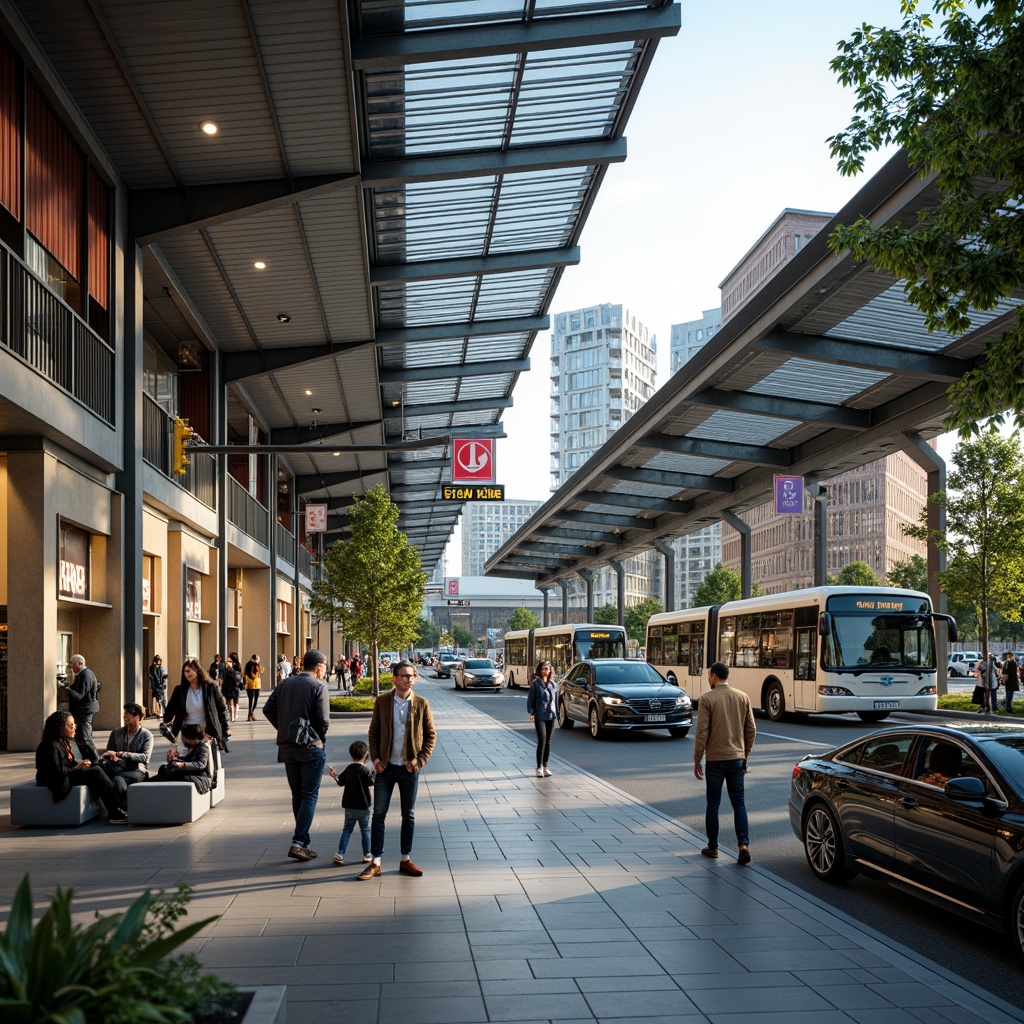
pixel 559 899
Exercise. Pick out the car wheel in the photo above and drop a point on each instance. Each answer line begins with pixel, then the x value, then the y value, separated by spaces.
pixel 596 730
pixel 872 716
pixel 775 702
pixel 679 731
pixel 564 721
pixel 1016 921
pixel 823 845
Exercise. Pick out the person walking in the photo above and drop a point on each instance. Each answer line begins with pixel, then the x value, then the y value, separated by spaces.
pixel 253 671
pixel 356 781
pixel 988 679
pixel 83 703
pixel 284 668
pixel 541 703
pixel 725 737
pixel 158 685
pixel 231 684
pixel 401 740
pixel 196 700
pixel 216 670
pixel 1011 680
pixel 300 711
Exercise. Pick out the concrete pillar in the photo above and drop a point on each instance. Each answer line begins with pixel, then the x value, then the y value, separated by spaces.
pixel 620 588
pixel 546 617
pixel 744 531
pixel 220 581
pixel 587 575
pixel 564 584
pixel 669 553
pixel 820 494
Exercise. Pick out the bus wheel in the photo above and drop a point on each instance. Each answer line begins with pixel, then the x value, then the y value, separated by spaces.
pixel 775 702
pixel 872 716
pixel 564 721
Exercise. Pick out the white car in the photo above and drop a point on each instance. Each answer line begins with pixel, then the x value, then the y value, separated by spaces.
pixel 961 663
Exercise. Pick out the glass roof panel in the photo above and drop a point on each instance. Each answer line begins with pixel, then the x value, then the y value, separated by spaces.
pixel 677 462
pixel 743 427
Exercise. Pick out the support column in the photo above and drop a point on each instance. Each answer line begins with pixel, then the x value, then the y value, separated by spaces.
pixel 744 531
pixel 820 494
pixel 620 588
pixel 564 584
pixel 272 589
pixel 220 429
pixel 670 573
pixel 546 619
pixel 587 575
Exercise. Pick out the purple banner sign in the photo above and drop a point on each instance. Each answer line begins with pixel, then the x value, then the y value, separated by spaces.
pixel 789 494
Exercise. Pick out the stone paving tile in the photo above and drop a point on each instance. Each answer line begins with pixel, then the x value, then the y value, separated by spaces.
pixel 547 1006
pixel 454 1010
pixel 640 1002
pixel 329 1011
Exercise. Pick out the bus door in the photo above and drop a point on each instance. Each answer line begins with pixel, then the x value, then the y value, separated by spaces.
pixel 805 673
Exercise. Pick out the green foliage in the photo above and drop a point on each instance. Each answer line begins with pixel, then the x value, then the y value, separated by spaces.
pixel 984 535
pixel 857 574
pixel 721 585
pixel 951 98
pixel 116 970
pixel 606 615
pixel 960 700
pixel 522 618
pixel 352 703
pixel 463 637
pixel 372 585
pixel 429 634
pixel 909 574
pixel 637 616
pixel 384 683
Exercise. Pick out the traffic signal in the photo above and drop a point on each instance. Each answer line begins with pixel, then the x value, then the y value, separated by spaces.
pixel 183 433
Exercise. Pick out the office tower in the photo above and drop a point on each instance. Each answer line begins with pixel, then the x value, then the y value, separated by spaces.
pixel 687 339
pixel 486 525
pixel 602 371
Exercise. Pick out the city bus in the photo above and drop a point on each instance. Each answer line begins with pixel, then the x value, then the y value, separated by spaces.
pixel 563 646
pixel 824 650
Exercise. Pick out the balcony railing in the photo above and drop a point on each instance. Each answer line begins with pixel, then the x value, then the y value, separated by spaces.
pixel 158 448
pixel 53 339
pixel 251 517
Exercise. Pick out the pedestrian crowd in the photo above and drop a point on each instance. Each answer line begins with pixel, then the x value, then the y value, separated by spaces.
pixel 989 674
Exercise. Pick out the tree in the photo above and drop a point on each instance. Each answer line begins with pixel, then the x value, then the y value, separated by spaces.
pixel 909 574
pixel 429 632
pixel 606 615
pixel 721 585
pixel 463 637
pixel 857 574
pixel 951 98
pixel 637 616
pixel 984 535
pixel 373 584
pixel 523 618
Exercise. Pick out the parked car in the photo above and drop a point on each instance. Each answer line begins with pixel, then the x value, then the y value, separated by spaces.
pixel 961 663
pixel 621 693
pixel 937 811
pixel 478 674
pixel 445 664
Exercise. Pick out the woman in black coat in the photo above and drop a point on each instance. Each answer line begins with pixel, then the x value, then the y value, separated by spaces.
pixel 231 685
pixel 58 769
pixel 197 700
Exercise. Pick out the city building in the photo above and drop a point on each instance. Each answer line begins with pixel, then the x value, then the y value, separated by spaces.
pixel 688 338
pixel 483 605
pixel 602 370
pixel 486 525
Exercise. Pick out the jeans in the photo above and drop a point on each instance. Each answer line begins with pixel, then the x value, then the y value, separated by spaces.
pixel 254 699
pixel 383 786
pixel 83 738
pixel 352 818
pixel 731 773
pixel 544 730
pixel 304 770
pixel 1010 694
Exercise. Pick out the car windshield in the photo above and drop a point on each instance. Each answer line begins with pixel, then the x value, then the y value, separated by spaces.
pixel 1007 753
pixel 880 641
pixel 479 663
pixel 634 672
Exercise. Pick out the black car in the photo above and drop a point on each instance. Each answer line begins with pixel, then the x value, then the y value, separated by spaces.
pixel 937 811
pixel 619 693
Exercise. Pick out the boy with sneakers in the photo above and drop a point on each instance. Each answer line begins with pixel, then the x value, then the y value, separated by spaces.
pixel 356 780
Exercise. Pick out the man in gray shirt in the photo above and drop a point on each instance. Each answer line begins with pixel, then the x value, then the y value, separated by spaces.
pixel 300 710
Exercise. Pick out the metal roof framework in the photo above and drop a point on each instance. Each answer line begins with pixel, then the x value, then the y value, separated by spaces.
pixel 413 176
pixel 824 369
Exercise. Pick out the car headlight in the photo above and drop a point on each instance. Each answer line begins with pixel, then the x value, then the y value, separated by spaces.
pixel 683 701
pixel 468 675
pixel 611 700
pixel 499 679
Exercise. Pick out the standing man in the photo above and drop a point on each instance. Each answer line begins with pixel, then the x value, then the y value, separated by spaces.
pixel 83 703
pixel 300 711
pixel 402 737
pixel 1011 680
pixel 725 735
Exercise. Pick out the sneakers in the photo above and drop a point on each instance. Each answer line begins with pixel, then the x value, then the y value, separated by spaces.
pixel 297 852
pixel 710 851
pixel 546 773
pixel 338 859
pixel 406 867
pixel 540 773
pixel 370 871
pixel 744 856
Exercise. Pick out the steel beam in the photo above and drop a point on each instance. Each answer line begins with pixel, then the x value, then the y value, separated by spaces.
pixel 637 502
pixel 757 454
pixel 680 481
pixel 446 408
pixel 546 533
pixel 783 408
pixel 503 263
pixel 411 374
pixel 323 431
pixel 602 519
pixel 305 483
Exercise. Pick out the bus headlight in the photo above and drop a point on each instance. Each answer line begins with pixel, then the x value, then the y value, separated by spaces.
pixel 927 691
pixel 834 691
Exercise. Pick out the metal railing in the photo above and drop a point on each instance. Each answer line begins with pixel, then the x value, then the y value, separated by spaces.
pixel 53 339
pixel 248 514
pixel 200 479
pixel 285 544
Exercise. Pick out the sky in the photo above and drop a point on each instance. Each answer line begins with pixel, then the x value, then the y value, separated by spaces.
pixel 730 129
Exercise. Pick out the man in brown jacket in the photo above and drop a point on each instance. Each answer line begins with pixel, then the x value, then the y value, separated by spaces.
pixel 725 737
pixel 401 740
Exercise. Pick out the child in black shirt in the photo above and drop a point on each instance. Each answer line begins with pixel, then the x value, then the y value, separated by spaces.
pixel 357 800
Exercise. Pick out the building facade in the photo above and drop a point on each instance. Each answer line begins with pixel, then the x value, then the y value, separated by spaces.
pixel 688 338
pixel 486 525
pixel 603 368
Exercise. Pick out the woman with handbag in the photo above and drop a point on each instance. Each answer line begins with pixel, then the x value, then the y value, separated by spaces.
pixel 197 701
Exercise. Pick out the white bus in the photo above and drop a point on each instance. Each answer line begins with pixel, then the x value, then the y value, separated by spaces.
pixel 825 650
pixel 563 646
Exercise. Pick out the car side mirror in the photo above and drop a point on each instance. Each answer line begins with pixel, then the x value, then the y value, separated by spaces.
pixel 966 787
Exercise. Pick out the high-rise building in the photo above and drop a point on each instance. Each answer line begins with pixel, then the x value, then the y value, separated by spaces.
pixel 687 339
pixel 602 370
pixel 486 525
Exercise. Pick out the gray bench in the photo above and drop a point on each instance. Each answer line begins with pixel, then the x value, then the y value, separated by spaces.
pixel 173 803
pixel 32 805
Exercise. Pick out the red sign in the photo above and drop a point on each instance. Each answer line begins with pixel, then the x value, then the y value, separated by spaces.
pixel 473 460
pixel 453 588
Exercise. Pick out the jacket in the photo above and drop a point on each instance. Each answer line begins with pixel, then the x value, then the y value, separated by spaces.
pixel 355 782
pixel 54 764
pixel 253 671
pixel 231 683
pixel 298 696
pixel 137 749
pixel 213 705
pixel 83 694
pixel 420 735
pixel 198 766
pixel 538 703
pixel 157 679
pixel 725 726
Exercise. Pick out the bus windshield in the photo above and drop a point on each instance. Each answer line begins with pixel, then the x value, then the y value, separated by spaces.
pixel 599 644
pixel 862 639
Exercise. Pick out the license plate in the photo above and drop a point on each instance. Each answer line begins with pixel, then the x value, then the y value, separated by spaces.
pixel 654 718
pixel 887 705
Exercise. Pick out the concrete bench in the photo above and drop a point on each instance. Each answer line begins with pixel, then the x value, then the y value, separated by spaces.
pixel 32 805
pixel 165 803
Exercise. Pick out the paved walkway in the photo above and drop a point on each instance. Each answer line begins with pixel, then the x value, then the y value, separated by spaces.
pixel 558 899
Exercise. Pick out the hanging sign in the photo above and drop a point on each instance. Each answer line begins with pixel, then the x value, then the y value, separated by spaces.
pixel 316 518
pixel 789 495
pixel 473 460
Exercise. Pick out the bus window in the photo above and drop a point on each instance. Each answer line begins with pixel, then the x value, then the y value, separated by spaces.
pixel 727 640
pixel 696 655
pixel 805 666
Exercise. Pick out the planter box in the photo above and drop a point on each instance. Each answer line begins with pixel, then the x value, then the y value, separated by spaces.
pixel 267 1006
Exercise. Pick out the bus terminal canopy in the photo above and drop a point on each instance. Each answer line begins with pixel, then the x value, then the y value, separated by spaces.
pixel 824 369
pixel 353 215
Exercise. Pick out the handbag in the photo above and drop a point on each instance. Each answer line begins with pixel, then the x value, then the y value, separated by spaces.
pixel 301 733
pixel 978 697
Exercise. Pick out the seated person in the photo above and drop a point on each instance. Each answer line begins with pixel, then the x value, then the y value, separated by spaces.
pixel 944 763
pixel 195 765
pixel 126 759
pixel 58 769
pixel 880 656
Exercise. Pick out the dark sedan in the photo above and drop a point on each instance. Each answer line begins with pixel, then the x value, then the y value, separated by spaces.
pixel 937 811
pixel 618 693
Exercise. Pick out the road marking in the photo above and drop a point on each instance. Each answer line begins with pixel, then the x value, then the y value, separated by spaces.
pixel 793 739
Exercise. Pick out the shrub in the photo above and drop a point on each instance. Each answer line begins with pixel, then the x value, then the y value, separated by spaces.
pixel 366 685
pixel 116 970
pixel 351 703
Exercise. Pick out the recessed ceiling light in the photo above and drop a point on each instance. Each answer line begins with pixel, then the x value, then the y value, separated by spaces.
pixel 315 412
pixel 308 391
pixel 209 127
pixel 260 265
pixel 335 454
pixel 283 318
